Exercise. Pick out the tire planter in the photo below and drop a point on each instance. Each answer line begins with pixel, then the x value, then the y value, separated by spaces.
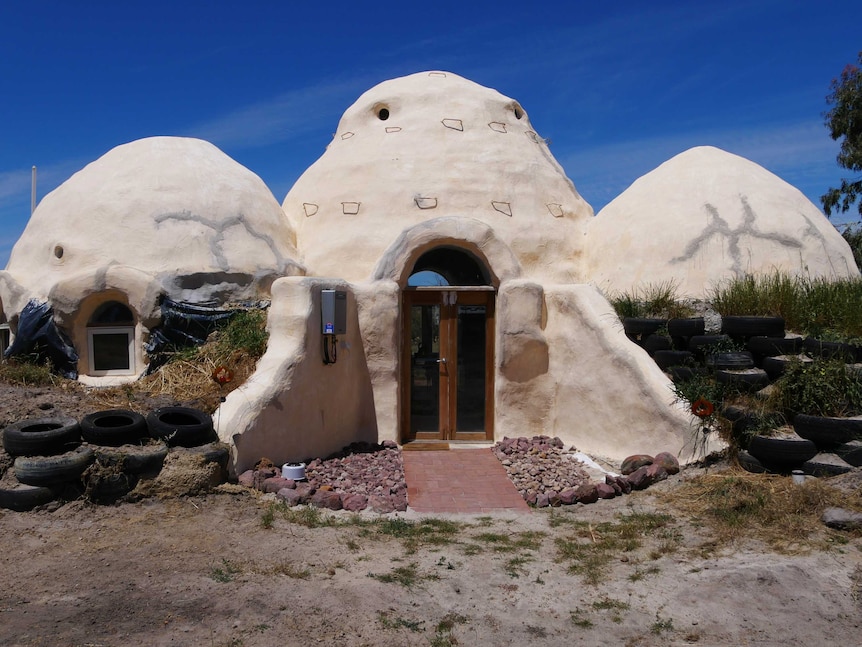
pixel 851 453
pixel 21 497
pixel 41 436
pixel 832 350
pixel 772 346
pixel 134 459
pixel 749 463
pixel 783 451
pixel 828 432
pixel 826 465
pixel 181 426
pixel 686 327
pixel 211 453
pixel 114 427
pixel 700 344
pixel 53 470
pixel 776 366
pixel 653 343
pixel 684 373
pixel 642 325
pixel 667 358
pixel 111 488
pixel 748 380
pixel 730 361
pixel 737 326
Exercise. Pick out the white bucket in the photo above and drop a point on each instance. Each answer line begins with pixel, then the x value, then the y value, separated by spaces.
pixel 295 471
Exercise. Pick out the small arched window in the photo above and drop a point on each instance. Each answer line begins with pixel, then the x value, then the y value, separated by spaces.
pixel 111 340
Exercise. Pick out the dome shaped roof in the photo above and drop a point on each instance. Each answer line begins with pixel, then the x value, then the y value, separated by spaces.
pixel 430 146
pixel 175 208
pixel 707 215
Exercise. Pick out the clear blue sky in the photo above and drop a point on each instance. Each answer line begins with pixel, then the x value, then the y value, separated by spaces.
pixel 617 87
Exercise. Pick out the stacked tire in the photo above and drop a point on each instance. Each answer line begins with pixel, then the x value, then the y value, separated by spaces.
pixel 48 460
pixel 104 456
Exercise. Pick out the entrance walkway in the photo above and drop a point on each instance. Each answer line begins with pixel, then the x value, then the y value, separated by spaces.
pixel 459 480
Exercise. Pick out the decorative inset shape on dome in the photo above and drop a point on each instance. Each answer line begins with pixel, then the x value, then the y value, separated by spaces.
pixel 310 208
pixel 425 203
pixel 502 207
pixel 350 208
pixel 347 135
pixel 442 75
pixel 555 209
pixel 393 129
pixel 497 126
pixel 533 136
pixel 454 124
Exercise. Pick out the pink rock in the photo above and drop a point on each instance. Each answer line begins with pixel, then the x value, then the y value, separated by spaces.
pixel 587 493
pixel 668 461
pixel 610 480
pixel 326 499
pixel 639 479
pixel 381 504
pixel 246 479
pixel 542 500
pixel 290 497
pixel 276 483
pixel 569 496
pixel 656 473
pixel 554 499
pixel 605 491
pixel 634 462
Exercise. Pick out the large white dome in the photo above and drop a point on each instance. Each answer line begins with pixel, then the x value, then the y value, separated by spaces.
pixel 176 209
pixel 705 216
pixel 427 147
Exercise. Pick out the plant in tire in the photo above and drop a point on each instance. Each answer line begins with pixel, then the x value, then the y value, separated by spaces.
pixel 819 388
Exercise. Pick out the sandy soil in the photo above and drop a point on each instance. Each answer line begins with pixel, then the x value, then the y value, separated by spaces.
pixel 206 571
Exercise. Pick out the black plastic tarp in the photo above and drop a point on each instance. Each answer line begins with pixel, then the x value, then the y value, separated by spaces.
pixel 38 335
pixel 183 325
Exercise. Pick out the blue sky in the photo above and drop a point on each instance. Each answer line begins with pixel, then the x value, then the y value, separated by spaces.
pixel 617 87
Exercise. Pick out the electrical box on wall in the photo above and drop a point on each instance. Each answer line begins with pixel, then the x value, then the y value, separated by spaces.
pixel 333 312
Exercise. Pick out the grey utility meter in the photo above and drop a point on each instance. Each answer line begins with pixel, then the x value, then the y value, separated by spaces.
pixel 333 312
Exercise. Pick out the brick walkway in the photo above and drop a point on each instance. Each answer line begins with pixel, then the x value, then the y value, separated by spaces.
pixel 459 480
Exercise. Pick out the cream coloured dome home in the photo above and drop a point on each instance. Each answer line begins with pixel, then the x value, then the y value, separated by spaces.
pixel 432 276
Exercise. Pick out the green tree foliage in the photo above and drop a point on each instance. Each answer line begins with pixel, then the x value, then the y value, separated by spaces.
pixel 845 120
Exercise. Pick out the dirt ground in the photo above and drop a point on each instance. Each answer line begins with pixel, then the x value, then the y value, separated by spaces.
pixel 228 569
pixel 231 569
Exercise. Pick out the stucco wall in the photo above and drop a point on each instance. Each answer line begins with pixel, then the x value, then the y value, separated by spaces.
pixel 294 406
pixel 565 368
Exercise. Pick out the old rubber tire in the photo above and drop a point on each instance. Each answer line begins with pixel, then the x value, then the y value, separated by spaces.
pixel 114 427
pixel 653 343
pixel 217 452
pixel 746 380
pixel 53 470
pixel 773 346
pixel 700 344
pixel 642 325
pixel 134 459
pixel 827 432
pixel 784 451
pixel 41 436
pixel 181 426
pixel 730 361
pixel 832 350
pixel 749 463
pixel 667 358
pixel 686 327
pixel 21 497
pixel 112 487
pixel 737 326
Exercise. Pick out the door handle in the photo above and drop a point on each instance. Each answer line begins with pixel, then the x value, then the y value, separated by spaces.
pixel 441 360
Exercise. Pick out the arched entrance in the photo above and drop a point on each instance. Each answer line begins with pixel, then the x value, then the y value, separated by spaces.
pixel 448 348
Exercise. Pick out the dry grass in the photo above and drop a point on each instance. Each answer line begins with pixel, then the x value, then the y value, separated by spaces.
pixel 738 506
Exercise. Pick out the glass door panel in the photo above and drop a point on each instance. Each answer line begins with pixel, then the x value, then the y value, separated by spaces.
pixel 471 382
pixel 425 369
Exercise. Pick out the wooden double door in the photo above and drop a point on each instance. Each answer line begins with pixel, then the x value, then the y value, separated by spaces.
pixel 448 361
